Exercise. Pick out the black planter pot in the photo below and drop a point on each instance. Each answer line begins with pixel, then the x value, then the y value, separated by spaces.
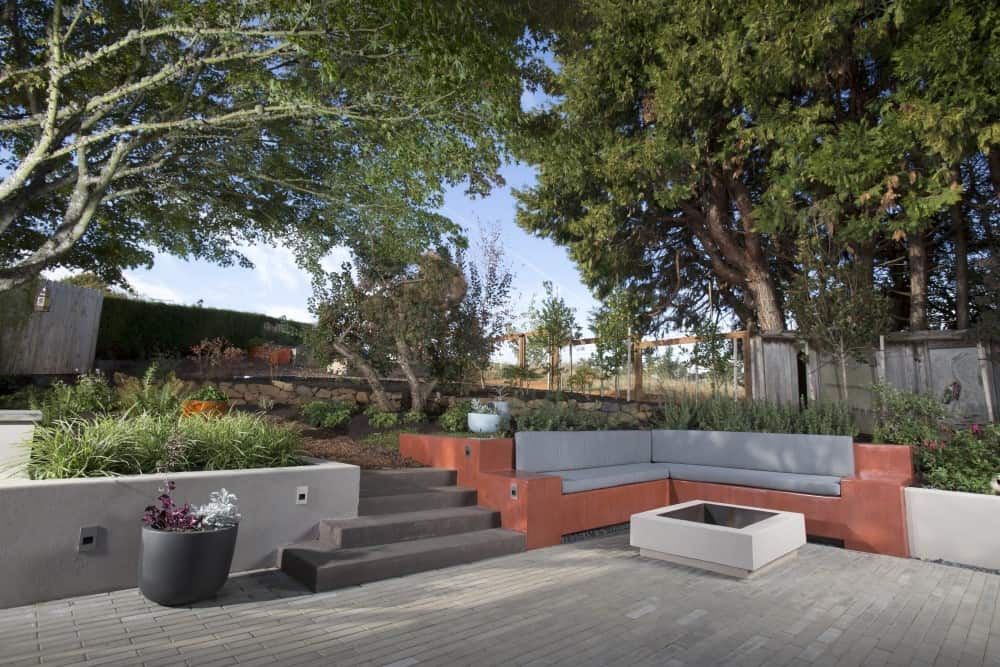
pixel 177 568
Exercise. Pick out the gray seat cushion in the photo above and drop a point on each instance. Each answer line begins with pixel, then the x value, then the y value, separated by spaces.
pixel 588 479
pixel 541 451
pixel 821 485
pixel 777 452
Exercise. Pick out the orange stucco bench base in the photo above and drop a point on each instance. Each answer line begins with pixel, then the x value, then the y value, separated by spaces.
pixel 869 515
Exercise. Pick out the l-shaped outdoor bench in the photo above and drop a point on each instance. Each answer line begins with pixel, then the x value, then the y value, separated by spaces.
pixel 551 484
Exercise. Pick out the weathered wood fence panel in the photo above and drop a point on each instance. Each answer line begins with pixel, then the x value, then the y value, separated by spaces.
pixel 59 341
pixel 954 367
pixel 774 369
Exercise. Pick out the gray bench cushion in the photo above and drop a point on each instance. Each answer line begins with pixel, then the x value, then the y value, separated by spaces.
pixel 777 452
pixel 543 451
pixel 822 485
pixel 602 478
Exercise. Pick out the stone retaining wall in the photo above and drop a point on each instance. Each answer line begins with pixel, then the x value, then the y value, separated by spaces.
pixel 295 391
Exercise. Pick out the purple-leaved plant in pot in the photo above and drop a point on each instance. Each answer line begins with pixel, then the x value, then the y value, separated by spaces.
pixel 187 551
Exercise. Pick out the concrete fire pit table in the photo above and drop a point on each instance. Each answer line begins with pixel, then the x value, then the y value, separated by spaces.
pixel 729 539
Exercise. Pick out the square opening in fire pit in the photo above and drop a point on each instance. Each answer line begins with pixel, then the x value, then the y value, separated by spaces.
pixel 719 515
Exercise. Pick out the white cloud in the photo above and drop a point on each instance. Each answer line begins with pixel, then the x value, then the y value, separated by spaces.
pixel 275 267
pixel 153 290
pixel 58 273
pixel 335 258
pixel 291 312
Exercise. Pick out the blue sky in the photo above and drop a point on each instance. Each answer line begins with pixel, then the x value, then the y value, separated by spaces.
pixel 277 286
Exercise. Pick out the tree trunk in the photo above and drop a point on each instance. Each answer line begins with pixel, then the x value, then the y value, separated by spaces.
pixel 842 358
pixel 379 395
pixel 770 318
pixel 899 294
pixel 418 391
pixel 917 255
pixel 959 231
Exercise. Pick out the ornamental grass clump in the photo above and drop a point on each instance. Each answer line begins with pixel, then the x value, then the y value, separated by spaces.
pixel 127 444
pixel 237 440
pixel 144 443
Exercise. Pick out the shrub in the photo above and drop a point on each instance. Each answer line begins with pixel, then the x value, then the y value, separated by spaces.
pixel 236 441
pixel 212 353
pixel 326 414
pixel 967 462
pixel 104 445
pixel 25 398
pixel 208 393
pixel 719 413
pixel 132 329
pixel 456 418
pixel 905 418
pixel 148 394
pixel 560 416
pixel 413 417
pixel 380 419
pixel 91 395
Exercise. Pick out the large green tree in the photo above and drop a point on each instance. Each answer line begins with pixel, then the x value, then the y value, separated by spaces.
pixel 190 128
pixel 692 144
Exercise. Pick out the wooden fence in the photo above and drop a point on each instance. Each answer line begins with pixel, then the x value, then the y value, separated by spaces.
pixel 58 341
pixel 958 368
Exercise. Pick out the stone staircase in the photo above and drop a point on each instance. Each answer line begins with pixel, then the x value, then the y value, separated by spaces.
pixel 409 521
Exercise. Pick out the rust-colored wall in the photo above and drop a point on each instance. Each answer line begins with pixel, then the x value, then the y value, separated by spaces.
pixel 484 454
pixel 869 515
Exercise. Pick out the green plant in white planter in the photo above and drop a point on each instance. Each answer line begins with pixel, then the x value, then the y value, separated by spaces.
pixel 501 404
pixel 484 417
pixel 186 552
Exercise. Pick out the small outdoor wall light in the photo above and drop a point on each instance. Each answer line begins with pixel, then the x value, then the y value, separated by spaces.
pixel 43 301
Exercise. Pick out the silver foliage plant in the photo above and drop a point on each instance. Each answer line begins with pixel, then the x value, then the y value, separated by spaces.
pixel 222 510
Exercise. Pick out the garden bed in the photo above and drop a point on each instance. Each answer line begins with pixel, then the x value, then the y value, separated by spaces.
pixel 356 442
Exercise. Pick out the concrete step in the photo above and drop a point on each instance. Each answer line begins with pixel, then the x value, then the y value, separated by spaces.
pixel 366 531
pixel 427 499
pixel 322 568
pixel 407 480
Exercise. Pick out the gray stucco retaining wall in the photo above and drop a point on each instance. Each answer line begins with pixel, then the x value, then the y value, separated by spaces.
pixel 40 523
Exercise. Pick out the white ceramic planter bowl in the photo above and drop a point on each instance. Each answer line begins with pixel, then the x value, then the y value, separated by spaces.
pixel 479 423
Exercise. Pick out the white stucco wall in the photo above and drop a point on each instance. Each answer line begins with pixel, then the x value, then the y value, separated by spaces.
pixel 953 526
pixel 40 523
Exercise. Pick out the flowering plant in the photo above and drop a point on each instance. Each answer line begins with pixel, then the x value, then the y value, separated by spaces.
pixel 169 516
pixel 222 511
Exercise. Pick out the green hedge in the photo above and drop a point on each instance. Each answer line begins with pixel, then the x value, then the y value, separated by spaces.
pixel 132 329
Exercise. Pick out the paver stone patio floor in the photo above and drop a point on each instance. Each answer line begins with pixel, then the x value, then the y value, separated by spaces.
pixel 590 602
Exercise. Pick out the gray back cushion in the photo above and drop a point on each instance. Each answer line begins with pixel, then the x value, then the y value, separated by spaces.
pixel 544 451
pixel 778 452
